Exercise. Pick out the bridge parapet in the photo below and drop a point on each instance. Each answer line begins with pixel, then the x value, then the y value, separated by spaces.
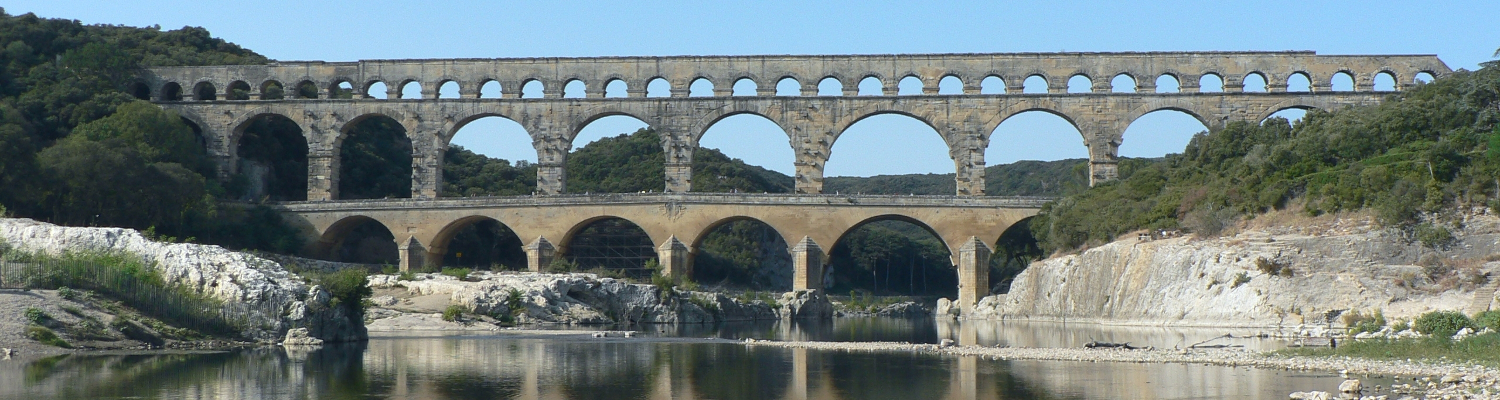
pixel 767 199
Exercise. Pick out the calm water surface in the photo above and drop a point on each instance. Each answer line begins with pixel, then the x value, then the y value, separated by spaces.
pixel 685 363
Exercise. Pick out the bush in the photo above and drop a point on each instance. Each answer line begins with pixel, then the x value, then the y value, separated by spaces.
pixel 46 336
pixel 1273 268
pixel 66 293
pixel 406 276
pixel 37 316
pixel 1400 326
pixel 347 286
pixel 1358 322
pixel 561 266
pixel 1239 279
pixel 459 273
pixel 1442 323
pixel 1488 319
pixel 453 313
pixel 664 284
pixel 1434 236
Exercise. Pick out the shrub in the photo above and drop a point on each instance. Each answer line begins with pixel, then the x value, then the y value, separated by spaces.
pixel 1488 319
pixel 1273 268
pixel 1239 279
pixel 459 273
pixel 561 266
pixel 46 336
pixel 66 293
pixel 347 286
pixel 1358 322
pixel 1442 323
pixel 1400 326
pixel 513 299
pixel 453 313
pixel 406 276
pixel 1434 236
pixel 389 270
pixel 664 284
pixel 37 316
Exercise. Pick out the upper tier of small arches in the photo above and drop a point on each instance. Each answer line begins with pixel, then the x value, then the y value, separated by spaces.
pixel 765 76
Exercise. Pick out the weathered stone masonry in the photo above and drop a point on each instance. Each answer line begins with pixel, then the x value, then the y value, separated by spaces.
pixel 222 100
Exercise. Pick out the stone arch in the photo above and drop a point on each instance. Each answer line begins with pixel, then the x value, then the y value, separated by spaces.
pixel 875 86
pixel 369 85
pixel 404 137
pixel 277 159
pixel 841 243
pixel 441 244
pixel 334 238
pixel 992 84
pixel 701 128
pixel 568 246
pixel 272 89
pixel 909 85
pixel 335 89
pixel 204 91
pixel 947 82
pixel 1385 80
pixel 699 234
pixel 305 89
pixel 140 90
pixel 1343 81
pixel 1217 85
pixel 1246 84
pixel 237 90
pixel 701 86
pixel 780 279
pixel 484 85
pixel 1423 76
pixel 601 114
pixel 1086 85
pixel 171 91
pixel 610 90
pixel 1138 113
pixel 659 91
pixel 1160 131
pixel 1283 107
pixel 749 87
pixel 1172 86
pixel 1024 108
pixel 844 126
pixel 458 88
pixel 1130 86
pixel 1027 84
pixel 532 88
pixel 574 88
pixel 403 89
pixel 795 89
pixel 835 80
pixel 1296 85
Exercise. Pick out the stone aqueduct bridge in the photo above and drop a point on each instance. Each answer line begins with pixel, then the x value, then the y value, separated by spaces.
pixel 679 222
pixel 222 100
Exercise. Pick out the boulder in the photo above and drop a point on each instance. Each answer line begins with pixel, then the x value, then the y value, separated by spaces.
pixel 803 304
pixel 905 309
pixel 299 337
pixel 1351 386
pixel 1313 395
pixel 946 308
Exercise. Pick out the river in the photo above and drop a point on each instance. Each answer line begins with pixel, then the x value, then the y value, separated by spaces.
pixel 691 362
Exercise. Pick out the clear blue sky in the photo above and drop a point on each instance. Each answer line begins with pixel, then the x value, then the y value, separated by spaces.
pixel 1462 33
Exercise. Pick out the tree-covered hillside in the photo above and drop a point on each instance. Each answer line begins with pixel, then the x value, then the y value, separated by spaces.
pixel 1413 159
pixel 77 148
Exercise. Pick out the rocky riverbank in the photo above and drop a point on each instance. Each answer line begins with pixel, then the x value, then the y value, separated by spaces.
pixel 1280 269
pixel 269 299
pixel 574 298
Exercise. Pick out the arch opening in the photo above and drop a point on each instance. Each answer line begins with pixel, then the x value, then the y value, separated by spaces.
pixel 743 253
pixel 891 255
pixel 1168 83
pixel 616 88
pixel 1292 115
pixel 307 90
pixel 1035 84
pixel 272 161
pixel 744 87
pixel 788 86
pixel 1422 77
pixel 658 87
pixel 238 90
pixel 701 87
pixel 377 90
pixel 950 85
pixel 1080 84
pixel 909 86
pixel 481 243
pixel 1122 83
pixel 830 86
pixel 611 244
pixel 449 90
pixel 1298 83
pixel 753 139
pixel 532 89
pixel 616 154
pixel 341 90
pixel 1342 82
pixel 140 91
pixel 1014 250
pixel 871 86
pixel 865 148
pixel 361 240
pixel 1048 138
pixel 1384 81
pixel 992 85
pixel 272 90
pixel 1211 83
pixel 490 90
pixel 204 91
pixel 171 92
pixel 375 160
pixel 575 89
pixel 489 156
pixel 1158 133
pixel 1254 82
pixel 410 90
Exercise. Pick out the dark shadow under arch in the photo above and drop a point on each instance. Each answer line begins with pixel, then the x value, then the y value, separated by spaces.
pixel 742 252
pixel 480 242
pixel 610 243
pixel 891 254
pixel 272 160
pixel 375 159
pixel 359 239
pixel 1014 251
